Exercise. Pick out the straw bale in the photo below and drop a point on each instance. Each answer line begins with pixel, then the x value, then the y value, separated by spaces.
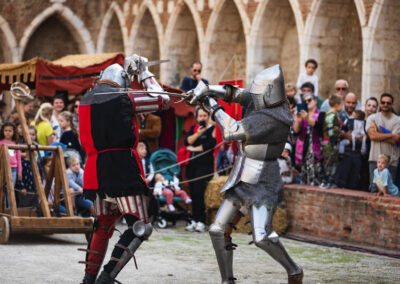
pixel 212 197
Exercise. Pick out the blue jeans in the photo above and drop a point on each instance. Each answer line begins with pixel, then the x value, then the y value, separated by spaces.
pixel 14 174
pixel 81 202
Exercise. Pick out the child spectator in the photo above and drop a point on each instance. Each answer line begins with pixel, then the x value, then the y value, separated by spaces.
pixel 382 178
pixel 309 75
pixel 46 165
pixel 44 130
pixel 169 190
pixel 70 135
pixel 8 136
pixel 285 164
pixel 146 164
pixel 353 147
pixel 290 90
pixel 75 182
pixel 331 131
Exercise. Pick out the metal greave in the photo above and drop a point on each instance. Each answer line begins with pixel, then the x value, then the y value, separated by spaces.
pixel 126 256
pixel 265 238
pixel 225 214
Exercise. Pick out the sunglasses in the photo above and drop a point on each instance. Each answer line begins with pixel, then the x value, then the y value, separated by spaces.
pixel 386 103
pixel 76 106
pixel 308 101
pixel 341 89
pixel 197 70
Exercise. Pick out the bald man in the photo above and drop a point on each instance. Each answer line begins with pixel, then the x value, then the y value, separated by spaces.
pixel 341 88
pixel 350 103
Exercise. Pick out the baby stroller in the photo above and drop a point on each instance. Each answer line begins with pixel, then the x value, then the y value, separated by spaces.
pixel 163 161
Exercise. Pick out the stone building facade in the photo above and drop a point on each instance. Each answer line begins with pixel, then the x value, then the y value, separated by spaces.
pixel 358 40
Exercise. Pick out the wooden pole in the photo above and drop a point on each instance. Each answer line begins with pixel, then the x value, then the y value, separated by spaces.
pixel 2 168
pixel 9 180
pixel 62 172
pixel 36 174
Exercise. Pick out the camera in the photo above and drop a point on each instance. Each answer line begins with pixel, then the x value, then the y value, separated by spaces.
pixel 202 123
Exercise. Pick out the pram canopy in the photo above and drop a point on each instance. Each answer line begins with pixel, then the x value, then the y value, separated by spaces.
pixel 163 158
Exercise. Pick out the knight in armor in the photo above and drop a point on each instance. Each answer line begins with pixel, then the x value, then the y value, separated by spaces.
pixel 113 178
pixel 255 181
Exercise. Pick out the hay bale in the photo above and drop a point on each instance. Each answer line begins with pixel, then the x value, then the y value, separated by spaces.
pixel 212 197
pixel 279 222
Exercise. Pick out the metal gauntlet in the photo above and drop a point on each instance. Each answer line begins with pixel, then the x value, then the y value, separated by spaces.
pixel 231 129
pixel 228 93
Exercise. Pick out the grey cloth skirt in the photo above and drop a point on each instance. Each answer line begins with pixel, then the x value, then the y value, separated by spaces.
pixel 268 191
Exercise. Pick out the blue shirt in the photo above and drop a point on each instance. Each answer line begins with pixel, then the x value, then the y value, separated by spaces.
pixel 384 178
pixel 188 83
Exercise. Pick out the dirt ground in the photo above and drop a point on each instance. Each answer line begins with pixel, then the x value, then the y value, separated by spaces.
pixel 175 256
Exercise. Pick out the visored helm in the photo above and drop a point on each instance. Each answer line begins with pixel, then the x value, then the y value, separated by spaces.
pixel 116 74
pixel 267 88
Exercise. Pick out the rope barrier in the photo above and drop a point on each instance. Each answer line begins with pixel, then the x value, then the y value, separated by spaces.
pixel 190 159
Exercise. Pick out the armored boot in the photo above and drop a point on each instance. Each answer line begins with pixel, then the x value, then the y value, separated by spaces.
pixel 89 278
pixel 267 239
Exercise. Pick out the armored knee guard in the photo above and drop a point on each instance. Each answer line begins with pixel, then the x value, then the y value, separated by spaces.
pixel 141 231
pixel 267 239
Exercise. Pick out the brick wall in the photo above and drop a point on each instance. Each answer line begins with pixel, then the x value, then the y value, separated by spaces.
pixel 344 217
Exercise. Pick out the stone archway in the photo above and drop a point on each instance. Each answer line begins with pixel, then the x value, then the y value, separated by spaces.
pixel 146 41
pixel 51 40
pixel 382 59
pixel 113 34
pixel 182 47
pixel 69 20
pixel 333 37
pixel 113 39
pixel 8 51
pixel 274 40
pixel 226 54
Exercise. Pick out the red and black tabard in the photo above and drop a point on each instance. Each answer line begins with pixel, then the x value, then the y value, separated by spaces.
pixel 108 134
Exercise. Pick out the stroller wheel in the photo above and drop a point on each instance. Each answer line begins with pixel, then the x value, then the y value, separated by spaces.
pixel 162 223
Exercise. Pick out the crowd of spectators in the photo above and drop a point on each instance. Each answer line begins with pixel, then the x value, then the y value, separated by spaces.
pixel 334 142
pixel 337 142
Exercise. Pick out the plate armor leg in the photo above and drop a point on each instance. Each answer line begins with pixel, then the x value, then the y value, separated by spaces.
pixel 224 254
pixel 267 239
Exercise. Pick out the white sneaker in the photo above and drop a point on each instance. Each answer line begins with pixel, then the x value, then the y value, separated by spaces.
pixel 187 201
pixel 191 227
pixel 201 227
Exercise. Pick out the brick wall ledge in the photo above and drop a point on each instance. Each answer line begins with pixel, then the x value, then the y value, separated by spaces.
pixel 343 217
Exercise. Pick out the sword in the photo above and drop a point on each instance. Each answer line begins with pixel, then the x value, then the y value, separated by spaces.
pixel 183 96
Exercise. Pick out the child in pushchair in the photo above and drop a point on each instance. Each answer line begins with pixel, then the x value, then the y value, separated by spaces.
pixel 167 190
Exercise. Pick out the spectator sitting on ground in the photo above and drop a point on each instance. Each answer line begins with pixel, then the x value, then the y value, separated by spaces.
pixel 191 82
pixel 309 75
pixel 75 182
pixel 383 129
pixel 350 103
pixel 353 148
pixel 285 164
pixel 169 189
pixel 146 164
pixel 331 131
pixel 383 181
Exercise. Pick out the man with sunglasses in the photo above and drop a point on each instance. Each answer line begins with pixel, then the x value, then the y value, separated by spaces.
pixel 191 82
pixel 341 88
pixel 383 129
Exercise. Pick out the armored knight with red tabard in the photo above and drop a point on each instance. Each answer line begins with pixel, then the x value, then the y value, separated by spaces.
pixel 112 178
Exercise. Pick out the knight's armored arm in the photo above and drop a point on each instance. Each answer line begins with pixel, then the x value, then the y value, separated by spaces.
pixel 137 65
pixel 231 129
pixel 228 93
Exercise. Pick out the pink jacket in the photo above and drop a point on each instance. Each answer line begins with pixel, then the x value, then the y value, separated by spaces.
pixel 15 156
